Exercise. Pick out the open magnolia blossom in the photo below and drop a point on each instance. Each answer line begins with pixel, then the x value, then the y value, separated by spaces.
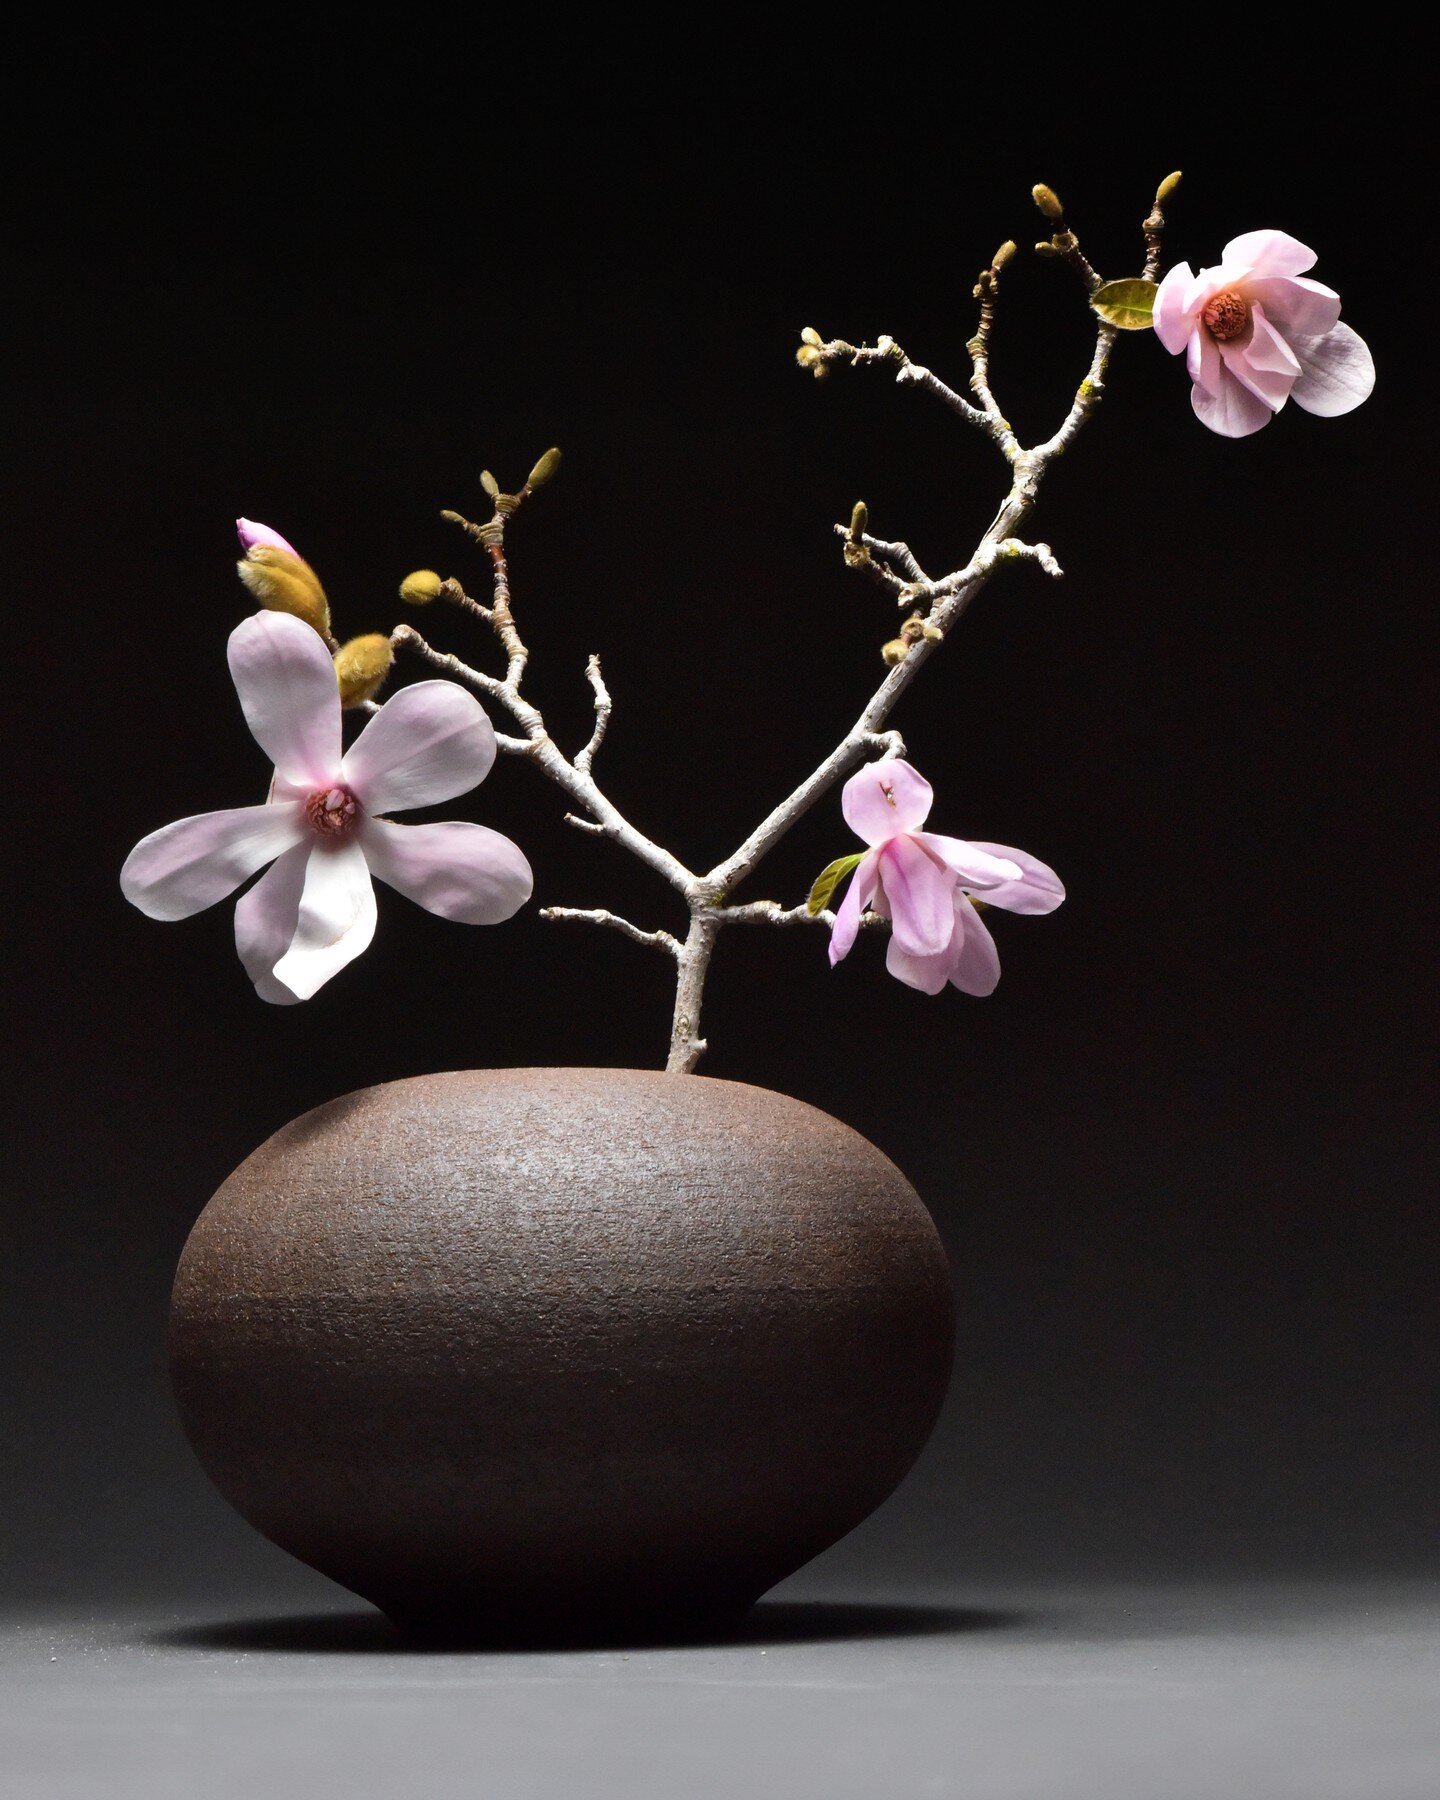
pixel 1257 332
pixel 320 831
pixel 923 884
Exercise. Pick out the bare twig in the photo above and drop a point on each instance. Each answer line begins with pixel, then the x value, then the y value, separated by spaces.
pixel 602 715
pixel 943 600
pixel 657 940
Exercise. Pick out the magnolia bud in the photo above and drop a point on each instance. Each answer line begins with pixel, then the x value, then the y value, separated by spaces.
pixel 1166 188
pixel 361 666
pixel 1002 255
pixel 283 582
pixel 1048 201
pixel 807 356
pixel 859 519
pixel 544 470
pixel 421 587
pixel 895 651
pixel 489 483
pixel 252 533
pixel 811 336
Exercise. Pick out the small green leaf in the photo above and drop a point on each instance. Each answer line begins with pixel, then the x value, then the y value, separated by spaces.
pixel 1125 304
pixel 828 880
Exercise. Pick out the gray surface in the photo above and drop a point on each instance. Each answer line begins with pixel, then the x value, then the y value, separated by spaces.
pixel 1257 1692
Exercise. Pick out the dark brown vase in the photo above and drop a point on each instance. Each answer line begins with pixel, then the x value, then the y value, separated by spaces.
pixel 561 1352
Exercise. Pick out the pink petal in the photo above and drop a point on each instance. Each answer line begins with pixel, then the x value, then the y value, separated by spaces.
pixel 1262 361
pixel 858 895
pixel 291 698
pixel 427 743
pixel 885 799
pixel 1232 409
pixel 1270 253
pixel 1039 889
pixel 928 973
pixel 1172 320
pixel 1336 372
pixel 461 871
pixel 265 919
pixel 1202 359
pixel 185 867
pixel 975 968
pixel 1295 306
pixel 920 897
pixel 336 918
pixel 251 533
pixel 976 866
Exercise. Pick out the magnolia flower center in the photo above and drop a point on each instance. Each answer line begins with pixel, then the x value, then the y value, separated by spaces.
pixel 1226 316
pixel 331 811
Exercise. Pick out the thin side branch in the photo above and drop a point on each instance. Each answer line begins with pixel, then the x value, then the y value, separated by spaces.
pixel 603 705
pixel 940 604
pixel 655 940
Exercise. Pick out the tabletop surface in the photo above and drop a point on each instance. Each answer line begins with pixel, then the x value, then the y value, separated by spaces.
pixel 1263 1689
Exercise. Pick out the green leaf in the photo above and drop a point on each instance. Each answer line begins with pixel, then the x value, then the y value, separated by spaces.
pixel 1125 304
pixel 828 880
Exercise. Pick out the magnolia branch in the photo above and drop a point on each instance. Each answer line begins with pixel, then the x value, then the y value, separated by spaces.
pixel 939 604
pixel 657 940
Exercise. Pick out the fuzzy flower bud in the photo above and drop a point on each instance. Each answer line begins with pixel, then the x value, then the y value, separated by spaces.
pixel 1048 201
pixel 283 582
pixel 361 666
pixel 421 587
pixel 544 470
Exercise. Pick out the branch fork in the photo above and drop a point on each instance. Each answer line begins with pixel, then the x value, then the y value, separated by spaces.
pixel 939 604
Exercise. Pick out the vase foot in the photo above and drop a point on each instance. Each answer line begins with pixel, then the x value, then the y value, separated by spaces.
pixel 520 1628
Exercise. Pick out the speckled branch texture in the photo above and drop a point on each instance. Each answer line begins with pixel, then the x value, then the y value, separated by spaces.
pixel 934 607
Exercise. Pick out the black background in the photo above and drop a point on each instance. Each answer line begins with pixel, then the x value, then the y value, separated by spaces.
pixel 1183 1157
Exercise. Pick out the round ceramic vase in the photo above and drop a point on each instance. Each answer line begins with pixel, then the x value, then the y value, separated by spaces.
pixel 561 1352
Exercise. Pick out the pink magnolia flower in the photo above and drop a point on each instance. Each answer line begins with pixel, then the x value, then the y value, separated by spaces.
pixel 1256 333
pixel 251 533
pixel 922 883
pixel 321 831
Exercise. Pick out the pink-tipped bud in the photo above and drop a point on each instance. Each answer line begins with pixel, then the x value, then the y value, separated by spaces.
pixel 251 533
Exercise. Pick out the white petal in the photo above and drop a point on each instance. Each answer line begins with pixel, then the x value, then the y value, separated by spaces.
pixel 336 919
pixel 1337 372
pixel 1296 306
pixel 1269 253
pixel 1172 322
pixel 287 687
pixel 265 919
pixel 1202 359
pixel 1232 410
pixel 185 867
pixel 1262 362
pixel 461 871
pixel 427 743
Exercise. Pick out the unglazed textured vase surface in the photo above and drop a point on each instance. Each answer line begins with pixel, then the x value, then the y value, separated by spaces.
pixel 561 1351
